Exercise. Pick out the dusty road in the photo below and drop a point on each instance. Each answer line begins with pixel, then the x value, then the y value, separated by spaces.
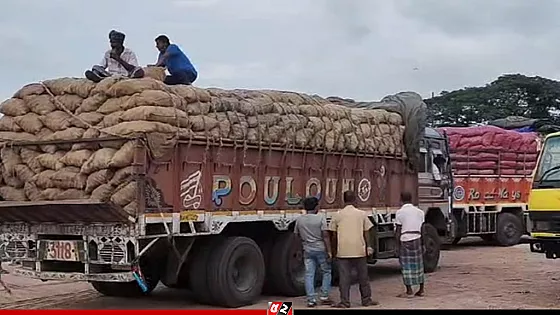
pixel 470 276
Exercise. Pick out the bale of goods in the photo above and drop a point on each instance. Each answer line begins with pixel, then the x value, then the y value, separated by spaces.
pixel 71 109
pixel 489 150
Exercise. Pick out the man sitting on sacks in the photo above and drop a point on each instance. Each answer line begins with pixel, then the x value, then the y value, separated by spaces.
pixel 119 60
pixel 180 68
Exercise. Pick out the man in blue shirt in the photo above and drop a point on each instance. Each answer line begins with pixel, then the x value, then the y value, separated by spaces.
pixel 177 63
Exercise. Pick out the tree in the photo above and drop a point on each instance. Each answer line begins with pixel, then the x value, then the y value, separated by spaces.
pixel 509 95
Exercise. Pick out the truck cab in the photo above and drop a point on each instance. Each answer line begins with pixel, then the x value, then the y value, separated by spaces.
pixel 544 200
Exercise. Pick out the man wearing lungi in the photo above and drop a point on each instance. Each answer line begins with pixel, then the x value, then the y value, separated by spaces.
pixel 408 221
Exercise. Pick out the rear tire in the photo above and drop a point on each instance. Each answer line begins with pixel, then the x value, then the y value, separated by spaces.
pixel 287 271
pixel 432 245
pixel 510 229
pixel 488 238
pixel 198 270
pixel 236 272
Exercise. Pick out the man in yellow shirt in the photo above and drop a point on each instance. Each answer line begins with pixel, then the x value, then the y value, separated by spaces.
pixel 350 226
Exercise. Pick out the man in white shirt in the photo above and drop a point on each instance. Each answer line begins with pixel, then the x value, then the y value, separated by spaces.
pixel 119 60
pixel 409 220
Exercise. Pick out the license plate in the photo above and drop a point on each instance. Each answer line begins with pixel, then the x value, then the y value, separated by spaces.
pixel 62 250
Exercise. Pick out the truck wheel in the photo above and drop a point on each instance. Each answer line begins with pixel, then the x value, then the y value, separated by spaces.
pixel 287 272
pixel 236 272
pixel 432 246
pixel 456 240
pixel 488 238
pixel 128 289
pixel 198 270
pixel 510 229
pixel 266 248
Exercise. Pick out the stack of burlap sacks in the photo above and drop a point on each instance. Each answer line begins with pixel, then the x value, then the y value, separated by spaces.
pixel 70 109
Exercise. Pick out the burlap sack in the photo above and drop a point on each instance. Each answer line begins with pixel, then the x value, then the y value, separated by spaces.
pixel 9 136
pixel 121 176
pixel 12 194
pixel 51 161
pixel 32 192
pixel 102 193
pixel 132 86
pixel 69 177
pixel 13 107
pixel 11 179
pixel 167 115
pixel 8 123
pixel 130 128
pixel 10 158
pixel 56 120
pixel 124 194
pixel 68 101
pixel 30 89
pixel 156 73
pixel 154 98
pixel 97 179
pixel 29 122
pixel 98 160
pixel 72 133
pixel 23 172
pixel 190 93
pixel 124 156
pixel 131 208
pixel 52 193
pixel 44 179
pixel 76 158
pixel 87 120
pixel 28 157
pixel 40 104
pixel 92 103
pixel 113 105
pixel 72 194
pixel 112 119
pixel 78 86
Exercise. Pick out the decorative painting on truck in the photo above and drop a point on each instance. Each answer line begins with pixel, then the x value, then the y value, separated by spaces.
pixel 267 182
pixel 491 190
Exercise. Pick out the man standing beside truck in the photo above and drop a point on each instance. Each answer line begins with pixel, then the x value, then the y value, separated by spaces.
pixel 350 226
pixel 313 232
pixel 409 220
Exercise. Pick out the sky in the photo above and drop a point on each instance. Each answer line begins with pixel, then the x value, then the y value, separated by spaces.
pixel 361 49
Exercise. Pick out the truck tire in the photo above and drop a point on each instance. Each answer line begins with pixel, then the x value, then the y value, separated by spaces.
pixel 236 272
pixel 510 229
pixel 198 269
pixel 432 246
pixel 266 245
pixel 287 272
pixel 129 289
pixel 456 240
pixel 488 238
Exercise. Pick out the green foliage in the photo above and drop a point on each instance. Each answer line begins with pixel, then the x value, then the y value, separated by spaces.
pixel 509 95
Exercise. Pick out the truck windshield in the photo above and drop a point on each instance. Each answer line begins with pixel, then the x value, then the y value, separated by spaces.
pixel 548 169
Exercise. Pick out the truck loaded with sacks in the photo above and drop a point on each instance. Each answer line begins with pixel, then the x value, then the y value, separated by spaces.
pixel 129 182
pixel 492 175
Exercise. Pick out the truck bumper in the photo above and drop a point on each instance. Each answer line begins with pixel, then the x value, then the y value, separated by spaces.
pixel 549 247
pixel 50 275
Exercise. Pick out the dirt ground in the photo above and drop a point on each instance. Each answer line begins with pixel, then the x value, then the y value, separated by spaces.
pixel 471 275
